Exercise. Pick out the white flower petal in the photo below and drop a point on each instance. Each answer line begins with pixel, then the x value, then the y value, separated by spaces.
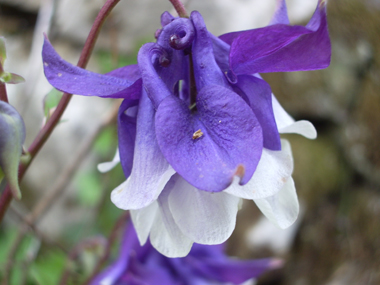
pixel 205 217
pixel 283 119
pixel 272 172
pixel 281 209
pixel 286 124
pixel 150 170
pixel 138 190
pixel 303 127
pixel 165 235
pixel 107 166
pixel 143 220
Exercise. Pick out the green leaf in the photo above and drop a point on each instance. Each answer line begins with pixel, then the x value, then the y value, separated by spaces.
pixel 7 237
pixel 51 101
pixel 28 247
pixel 11 78
pixel 3 54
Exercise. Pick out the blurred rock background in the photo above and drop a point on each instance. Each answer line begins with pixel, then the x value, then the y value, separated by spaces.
pixel 336 239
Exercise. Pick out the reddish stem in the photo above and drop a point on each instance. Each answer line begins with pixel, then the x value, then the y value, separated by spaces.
pixel 47 129
pixel 180 8
pixel 3 93
pixel 3 89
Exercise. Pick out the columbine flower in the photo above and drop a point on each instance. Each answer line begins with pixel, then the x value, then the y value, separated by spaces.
pixel 199 129
pixel 203 265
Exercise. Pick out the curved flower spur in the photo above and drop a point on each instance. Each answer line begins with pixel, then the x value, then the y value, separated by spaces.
pixel 199 129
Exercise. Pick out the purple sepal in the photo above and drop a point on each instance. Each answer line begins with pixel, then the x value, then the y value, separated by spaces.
pixel 175 39
pixel 127 134
pixel 205 148
pixel 283 48
pixel 205 264
pixel 211 263
pixel 259 95
pixel 229 37
pixel 229 270
pixel 74 80
pixel 152 272
pixel 253 45
pixel 129 72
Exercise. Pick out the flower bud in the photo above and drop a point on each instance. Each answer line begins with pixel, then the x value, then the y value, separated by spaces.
pixel 12 137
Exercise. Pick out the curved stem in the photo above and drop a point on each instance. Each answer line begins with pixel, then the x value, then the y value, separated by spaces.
pixel 3 93
pixel 3 89
pixel 180 8
pixel 47 129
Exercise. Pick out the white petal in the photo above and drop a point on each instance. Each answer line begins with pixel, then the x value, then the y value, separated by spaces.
pixel 303 127
pixel 286 124
pixel 143 220
pixel 165 235
pixel 283 119
pixel 281 209
pixel 150 170
pixel 272 172
pixel 138 191
pixel 205 217
pixel 107 166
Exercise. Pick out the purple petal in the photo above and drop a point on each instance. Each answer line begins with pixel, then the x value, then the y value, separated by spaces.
pixel 281 14
pixel 155 87
pixel 127 134
pixel 207 148
pixel 283 48
pixel 259 95
pixel 75 80
pixel 206 70
pixel 175 38
pixel 221 53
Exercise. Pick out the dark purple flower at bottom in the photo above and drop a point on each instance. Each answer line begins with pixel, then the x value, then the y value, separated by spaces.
pixel 205 264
